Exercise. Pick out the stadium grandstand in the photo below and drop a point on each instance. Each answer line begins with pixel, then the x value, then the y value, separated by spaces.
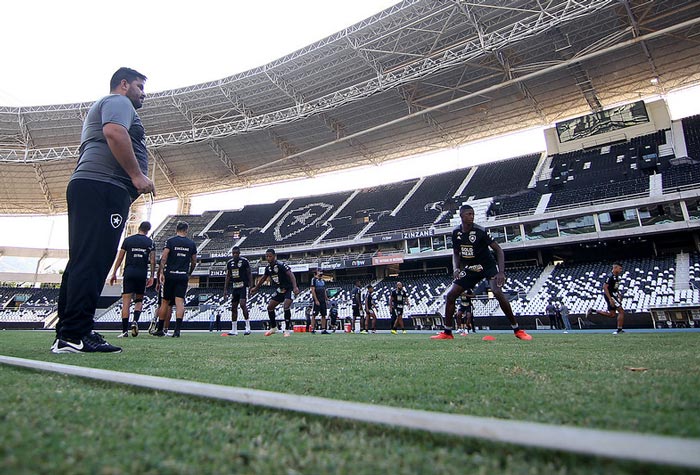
pixel 619 179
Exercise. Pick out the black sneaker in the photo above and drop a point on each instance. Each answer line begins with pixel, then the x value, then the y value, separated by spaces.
pixel 176 334
pixel 123 335
pixel 158 333
pixel 324 332
pixel 91 343
pixel 134 329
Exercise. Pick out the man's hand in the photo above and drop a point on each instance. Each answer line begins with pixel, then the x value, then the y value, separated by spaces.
pixel 149 283
pixel 295 290
pixel 113 279
pixel 143 184
pixel 500 279
pixel 456 273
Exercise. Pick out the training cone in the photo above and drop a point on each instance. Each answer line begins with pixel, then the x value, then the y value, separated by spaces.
pixel 488 338
pixel 224 334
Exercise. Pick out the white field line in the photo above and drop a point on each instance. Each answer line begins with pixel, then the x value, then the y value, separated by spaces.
pixel 618 445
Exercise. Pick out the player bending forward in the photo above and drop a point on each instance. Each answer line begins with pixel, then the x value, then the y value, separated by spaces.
pixel 613 296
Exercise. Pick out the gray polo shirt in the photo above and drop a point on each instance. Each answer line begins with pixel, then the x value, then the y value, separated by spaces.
pixel 96 159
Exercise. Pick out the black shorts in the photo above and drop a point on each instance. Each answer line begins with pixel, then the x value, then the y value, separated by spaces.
pixel 468 279
pixel 396 312
pixel 356 311
pixel 281 295
pixel 238 294
pixel 174 287
pixel 134 285
pixel 465 310
pixel 321 308
pixel 611 307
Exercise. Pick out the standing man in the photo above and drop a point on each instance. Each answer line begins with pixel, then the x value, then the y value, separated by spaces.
pixel 564 312
pixel 356 299
pixel 465 312
pixel 397 300
pixel 283 277
pixel 613 297
pixel 239 273
pixel 370 312
pixel 320 301
pixel 111 173
pixel 176 265
pixel 471 245
pixel 552 315
pixel 140 253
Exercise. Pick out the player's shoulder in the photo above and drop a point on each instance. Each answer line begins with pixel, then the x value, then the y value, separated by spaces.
pixel 479 228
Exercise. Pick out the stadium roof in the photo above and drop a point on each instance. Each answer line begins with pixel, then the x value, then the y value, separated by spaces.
pixel 418 76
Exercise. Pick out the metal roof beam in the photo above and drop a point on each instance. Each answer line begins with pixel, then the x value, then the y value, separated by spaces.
pixel 165 170
pixel 223 156
pixel 44 187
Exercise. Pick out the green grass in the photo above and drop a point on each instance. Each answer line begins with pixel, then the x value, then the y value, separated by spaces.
pixel 51 423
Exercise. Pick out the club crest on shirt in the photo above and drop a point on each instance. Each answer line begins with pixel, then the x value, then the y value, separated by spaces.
pixel 472 237
pixel 115 220
pixel 297 220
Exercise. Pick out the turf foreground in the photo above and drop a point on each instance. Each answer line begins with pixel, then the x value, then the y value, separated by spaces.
pixel 63 424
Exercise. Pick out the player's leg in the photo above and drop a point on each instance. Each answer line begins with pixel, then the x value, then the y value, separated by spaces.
pixel 323 310
pixel 126 304
pixel 179 313
pixel 244 309
pixel 271 306
pixel 288 314
pixel 235 301
pixel 620 321
pixel 508 311
pixel 450 299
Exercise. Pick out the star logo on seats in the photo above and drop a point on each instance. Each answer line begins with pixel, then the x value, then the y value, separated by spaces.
pixel 299 219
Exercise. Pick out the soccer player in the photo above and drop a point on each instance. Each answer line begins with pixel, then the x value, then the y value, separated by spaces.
pixel 140 253
pixel 465 312
pixel 320 302
pixel 356 299
pixel 176 265
pixel 370 313
pixel 111 173
pixel 238 271
pixel 397 300
pixel 283 277
pixel 613 296
pixel 472 262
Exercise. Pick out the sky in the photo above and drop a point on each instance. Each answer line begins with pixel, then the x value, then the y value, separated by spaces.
pixel 65 51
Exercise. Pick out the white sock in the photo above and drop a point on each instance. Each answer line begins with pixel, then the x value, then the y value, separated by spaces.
pixel 247 325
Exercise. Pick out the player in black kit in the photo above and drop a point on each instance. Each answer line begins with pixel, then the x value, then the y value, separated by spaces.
pixel 320 302
pixel 613 297
pixel 397 301
pixel 140 253
pixel 465 312
pixel 238 272
pixel 176 265
pixel 356 298
pixel 283 277
pixel 471 245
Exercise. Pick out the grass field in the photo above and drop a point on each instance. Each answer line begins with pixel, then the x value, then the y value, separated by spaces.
pixel 51 423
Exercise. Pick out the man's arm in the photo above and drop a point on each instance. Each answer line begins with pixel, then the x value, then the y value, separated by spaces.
pixel 500 261
pixel 227 280
pixel 293 280
pixel 119 143
pixel 117 265
pixel 193 263
pixel 313 294
pixel 456 262
pixel 261 280
pixel 163 260
pixel 152 259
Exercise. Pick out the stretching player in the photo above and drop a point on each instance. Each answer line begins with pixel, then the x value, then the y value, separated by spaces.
pixel 140 253
pixel 471 247
pixel 613 296
pixel 238 271
pixel 283 277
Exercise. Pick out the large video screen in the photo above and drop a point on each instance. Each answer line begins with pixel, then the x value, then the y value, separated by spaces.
pixel 601 122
